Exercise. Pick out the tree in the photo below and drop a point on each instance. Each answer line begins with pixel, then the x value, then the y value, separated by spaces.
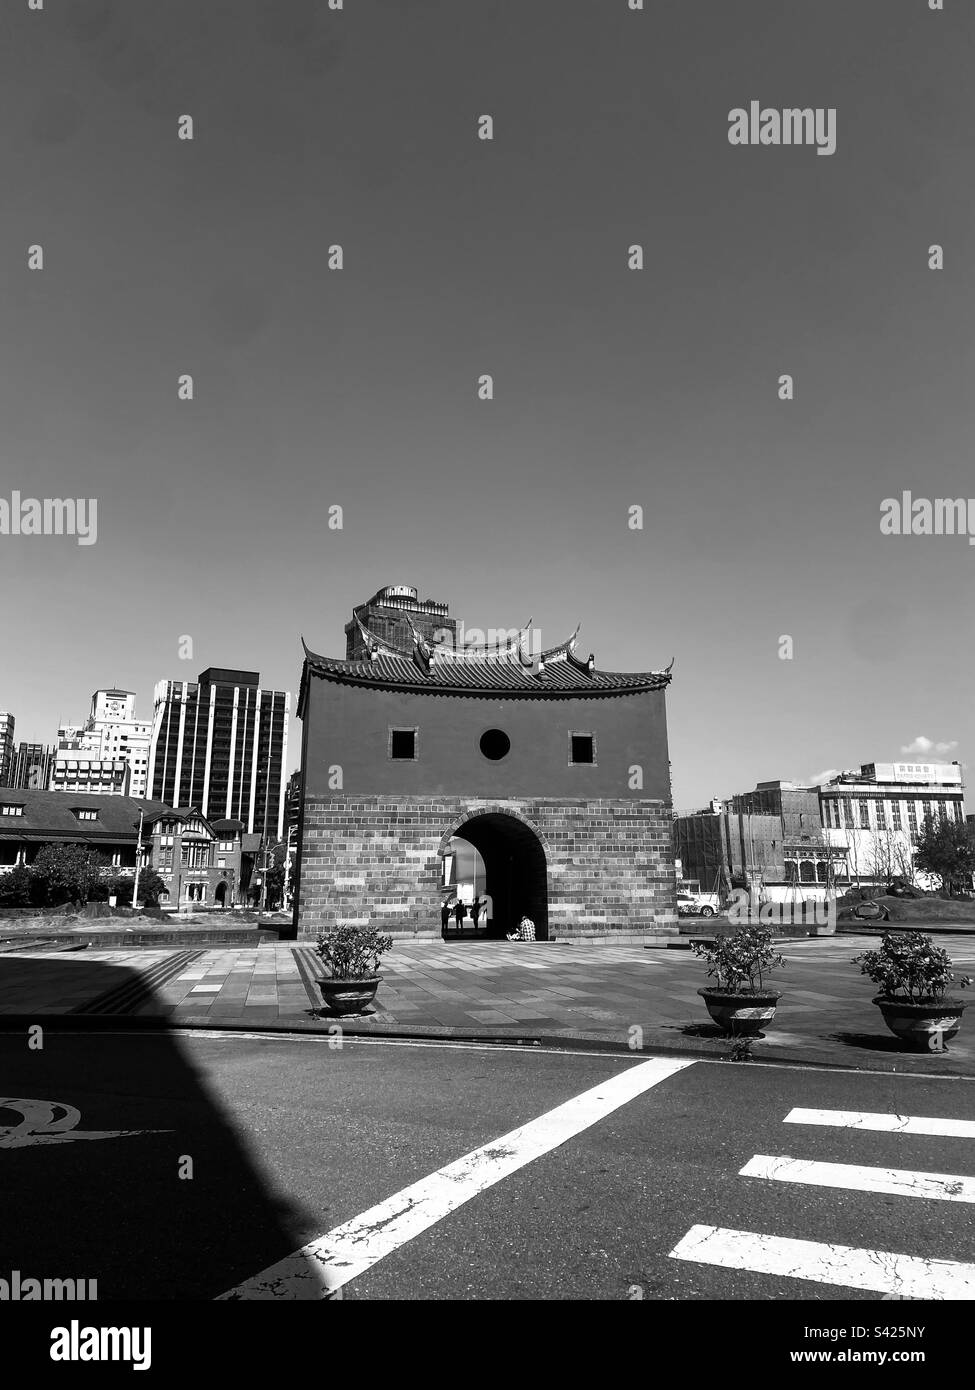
pixel 275 886
pixel 150 886
pixel 69 871
pixel 946 848
pixel 18 887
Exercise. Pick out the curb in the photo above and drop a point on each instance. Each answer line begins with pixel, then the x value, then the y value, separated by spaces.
pixel 582 1042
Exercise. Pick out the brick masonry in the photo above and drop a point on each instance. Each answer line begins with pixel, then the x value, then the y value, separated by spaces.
pixel 609 861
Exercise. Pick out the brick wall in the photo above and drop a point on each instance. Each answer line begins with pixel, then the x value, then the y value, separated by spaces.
pixel 610 865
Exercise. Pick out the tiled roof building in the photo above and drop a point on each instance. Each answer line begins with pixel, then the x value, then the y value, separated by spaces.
pixel 30 819
pixel 555 771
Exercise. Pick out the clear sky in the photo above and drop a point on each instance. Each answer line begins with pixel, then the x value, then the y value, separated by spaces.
pixel 613 387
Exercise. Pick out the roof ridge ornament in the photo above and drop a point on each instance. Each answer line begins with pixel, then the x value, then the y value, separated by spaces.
pixel 422 652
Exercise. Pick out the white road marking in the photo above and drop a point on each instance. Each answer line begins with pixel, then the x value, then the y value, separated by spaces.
pixel 325 1264
pixel 896 1124
pixel 903 1182
pixel 878 1270
pixel 42 1124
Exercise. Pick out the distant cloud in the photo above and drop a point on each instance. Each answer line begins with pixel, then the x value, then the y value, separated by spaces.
pixel 821 777
pixel 922 747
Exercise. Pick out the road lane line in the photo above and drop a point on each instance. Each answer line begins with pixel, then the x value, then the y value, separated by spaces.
pixel 947 1187
pixel 895 1124
pixel 879 1270
pixel 325 1264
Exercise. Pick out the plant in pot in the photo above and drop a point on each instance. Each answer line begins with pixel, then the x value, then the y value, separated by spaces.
pixel 913 976
pixel 351 956
pixel 740 1002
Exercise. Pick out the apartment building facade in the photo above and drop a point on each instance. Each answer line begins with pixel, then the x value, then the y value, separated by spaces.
pixel 220 743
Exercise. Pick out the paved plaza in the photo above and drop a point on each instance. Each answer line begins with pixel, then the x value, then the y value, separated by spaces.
pixel 620 997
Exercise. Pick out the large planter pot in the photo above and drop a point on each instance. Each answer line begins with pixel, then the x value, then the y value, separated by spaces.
pixel 922 1027
pixel 349 996
pixel 742 1015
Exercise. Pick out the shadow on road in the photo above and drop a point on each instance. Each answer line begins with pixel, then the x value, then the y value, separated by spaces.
pixel 117 1163
pixel 874 1042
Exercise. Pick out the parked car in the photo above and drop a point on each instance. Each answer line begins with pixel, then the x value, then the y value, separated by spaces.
pixel 697 904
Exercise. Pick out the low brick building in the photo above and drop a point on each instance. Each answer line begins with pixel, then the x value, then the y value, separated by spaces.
pixel 198 860
pixel 556 772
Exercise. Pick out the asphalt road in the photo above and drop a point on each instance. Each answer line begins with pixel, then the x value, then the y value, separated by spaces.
pixel 286 1140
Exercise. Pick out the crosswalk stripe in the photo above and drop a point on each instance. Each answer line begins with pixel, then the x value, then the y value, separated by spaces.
pixel 325 1264
pixel 903 1182
pixel 898 1124
pixel 881 1271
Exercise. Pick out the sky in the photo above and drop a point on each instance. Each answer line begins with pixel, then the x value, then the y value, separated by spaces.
pixel 613 388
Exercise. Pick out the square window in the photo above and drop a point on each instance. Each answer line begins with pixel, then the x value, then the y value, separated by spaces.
pixel 402 744
pixel 582 748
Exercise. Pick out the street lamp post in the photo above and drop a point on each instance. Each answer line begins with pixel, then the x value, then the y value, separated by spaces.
pixel 138 862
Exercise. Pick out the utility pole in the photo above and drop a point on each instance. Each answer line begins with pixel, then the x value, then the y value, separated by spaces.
pixel 138 862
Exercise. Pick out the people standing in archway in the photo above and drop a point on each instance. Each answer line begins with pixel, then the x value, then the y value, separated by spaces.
pixel 525 932
pixel 459 911
pixel 445 913
pixel 475 911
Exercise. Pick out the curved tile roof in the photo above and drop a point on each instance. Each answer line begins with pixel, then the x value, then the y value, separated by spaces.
pixel 557 674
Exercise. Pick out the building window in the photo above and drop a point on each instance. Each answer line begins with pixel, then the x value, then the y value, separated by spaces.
pixel 402 745
pixel 881 815
pixel 11 810
pixel 86 813
pixel 864 814
pixel 495 745
pixel 895 814
pixel 582 748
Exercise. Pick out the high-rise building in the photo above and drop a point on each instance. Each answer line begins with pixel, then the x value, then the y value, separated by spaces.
pixel 7 725
pixel 389 616
pixel 109 753
pixel 113 731
pixel 220 744
pixel 32 767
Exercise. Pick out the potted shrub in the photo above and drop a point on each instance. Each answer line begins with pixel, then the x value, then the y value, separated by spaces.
pixel 351 956
pixel 740 1001
pixel 913 975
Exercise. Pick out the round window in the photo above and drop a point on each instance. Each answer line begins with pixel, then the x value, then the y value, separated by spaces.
pixel 495 744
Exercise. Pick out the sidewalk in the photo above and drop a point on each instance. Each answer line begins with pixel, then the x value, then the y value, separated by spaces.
pixel 615 997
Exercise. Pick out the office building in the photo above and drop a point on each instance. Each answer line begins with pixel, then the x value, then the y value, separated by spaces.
pixel 220 744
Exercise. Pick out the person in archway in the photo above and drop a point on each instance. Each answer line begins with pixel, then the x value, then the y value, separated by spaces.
pixel 459 910
pixel 475 911
pixel 445 913
pixel 525 932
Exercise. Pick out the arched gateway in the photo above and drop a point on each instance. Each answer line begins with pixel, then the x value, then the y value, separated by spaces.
pixel 555 772
pixel 515 870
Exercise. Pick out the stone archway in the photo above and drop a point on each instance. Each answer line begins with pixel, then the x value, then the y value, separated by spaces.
pixel 515 861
